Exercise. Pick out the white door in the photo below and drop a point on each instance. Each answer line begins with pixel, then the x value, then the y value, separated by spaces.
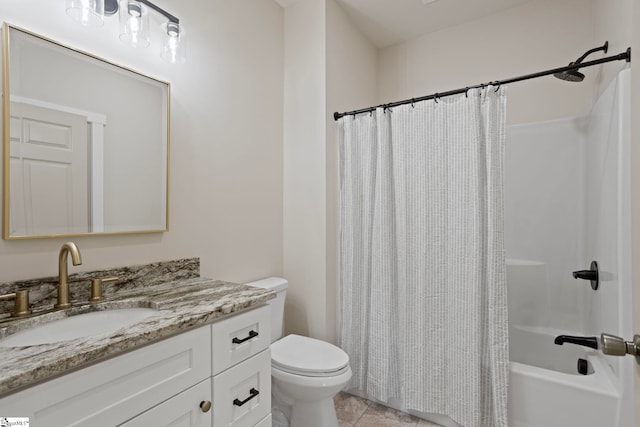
pixel 48 172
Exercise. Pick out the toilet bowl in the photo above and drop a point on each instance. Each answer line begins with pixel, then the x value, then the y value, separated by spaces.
pixel 306 373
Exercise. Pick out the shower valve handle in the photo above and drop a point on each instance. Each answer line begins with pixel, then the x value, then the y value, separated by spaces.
pixel 592 275
pixel 616 346
pixel 585 274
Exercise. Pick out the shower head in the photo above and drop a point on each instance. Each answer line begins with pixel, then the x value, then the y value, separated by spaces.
pixel 574 75
pixel 570 75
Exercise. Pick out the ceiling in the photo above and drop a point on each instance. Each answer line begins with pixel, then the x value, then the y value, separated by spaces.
pixel 387 22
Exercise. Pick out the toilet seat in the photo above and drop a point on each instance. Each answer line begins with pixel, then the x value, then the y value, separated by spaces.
pixel 309 357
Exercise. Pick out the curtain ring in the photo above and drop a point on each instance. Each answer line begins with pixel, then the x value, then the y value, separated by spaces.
pixel 435 97
pixel 413 100
pixel 499 83
pixel 466 92
pixel 371 113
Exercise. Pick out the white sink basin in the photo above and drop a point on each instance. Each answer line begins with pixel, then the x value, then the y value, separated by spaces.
pixel 80 325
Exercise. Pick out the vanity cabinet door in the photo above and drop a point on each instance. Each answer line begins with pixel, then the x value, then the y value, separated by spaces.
pixel 187 409
pixel 242 394
pixel 116 390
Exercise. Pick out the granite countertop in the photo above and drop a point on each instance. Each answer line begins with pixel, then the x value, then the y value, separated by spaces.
pixel 181 305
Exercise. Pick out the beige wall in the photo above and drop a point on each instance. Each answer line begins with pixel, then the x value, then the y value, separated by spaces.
pixel 329 66
pixel 304 168
pixel 532 37
pixel 612 23
pixel 226 140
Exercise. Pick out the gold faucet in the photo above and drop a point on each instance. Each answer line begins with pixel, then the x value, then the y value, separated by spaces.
pixel 63 284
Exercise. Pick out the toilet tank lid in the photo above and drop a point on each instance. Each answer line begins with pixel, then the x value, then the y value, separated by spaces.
pixel 275 284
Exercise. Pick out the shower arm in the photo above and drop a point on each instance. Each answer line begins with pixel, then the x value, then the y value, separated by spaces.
pixel 604 48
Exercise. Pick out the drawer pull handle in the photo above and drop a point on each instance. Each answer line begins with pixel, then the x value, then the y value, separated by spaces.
pixel 205 406
pixel 253 393
pixel 252 334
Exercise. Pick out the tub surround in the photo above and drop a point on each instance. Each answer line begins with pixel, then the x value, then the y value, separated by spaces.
pixel 182 304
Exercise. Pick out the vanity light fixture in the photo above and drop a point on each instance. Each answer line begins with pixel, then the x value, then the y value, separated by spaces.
pixel 134 23
pixel 89 13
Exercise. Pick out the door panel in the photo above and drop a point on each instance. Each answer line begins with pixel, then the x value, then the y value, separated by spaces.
pixel 49 171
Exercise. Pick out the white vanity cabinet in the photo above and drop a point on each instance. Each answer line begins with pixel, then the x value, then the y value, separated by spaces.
pixel 168 383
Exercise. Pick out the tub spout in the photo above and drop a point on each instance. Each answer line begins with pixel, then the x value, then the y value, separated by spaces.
pixel 591 342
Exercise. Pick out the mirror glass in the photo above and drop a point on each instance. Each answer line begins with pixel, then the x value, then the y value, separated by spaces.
pixel 85 143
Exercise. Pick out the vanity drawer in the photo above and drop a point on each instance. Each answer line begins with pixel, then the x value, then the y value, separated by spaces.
pixel 240 337
pixel 242 394
pixel 114 391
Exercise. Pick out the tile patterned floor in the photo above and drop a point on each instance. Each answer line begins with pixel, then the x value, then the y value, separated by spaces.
pixel 354 411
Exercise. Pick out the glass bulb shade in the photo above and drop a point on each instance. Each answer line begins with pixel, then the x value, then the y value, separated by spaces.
pixel 89 13
pixel 134 23
pixel 174 48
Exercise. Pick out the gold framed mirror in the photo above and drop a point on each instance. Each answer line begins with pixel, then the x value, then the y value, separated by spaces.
pixel 86 143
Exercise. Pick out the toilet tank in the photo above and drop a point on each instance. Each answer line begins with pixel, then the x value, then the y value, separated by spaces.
pixel 279 286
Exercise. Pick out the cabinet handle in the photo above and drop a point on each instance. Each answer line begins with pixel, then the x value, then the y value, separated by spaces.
pixel 253 393
pixel 205 405
pixel 252 334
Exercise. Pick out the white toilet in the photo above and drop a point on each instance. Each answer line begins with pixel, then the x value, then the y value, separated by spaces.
pixel 305 373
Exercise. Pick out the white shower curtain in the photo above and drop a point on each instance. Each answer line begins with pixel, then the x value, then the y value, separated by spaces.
pixel 423 298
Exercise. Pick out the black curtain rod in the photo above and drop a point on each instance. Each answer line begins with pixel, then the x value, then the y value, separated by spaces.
pixel 624 56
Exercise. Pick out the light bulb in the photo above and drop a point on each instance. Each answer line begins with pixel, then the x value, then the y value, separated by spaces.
pixel 174 46
pixel 86 12
pixel 134 23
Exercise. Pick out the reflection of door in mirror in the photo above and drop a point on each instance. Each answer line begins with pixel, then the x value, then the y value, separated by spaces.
pixel 49 180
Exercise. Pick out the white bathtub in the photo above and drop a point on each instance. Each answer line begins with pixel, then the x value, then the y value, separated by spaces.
pixel 545 389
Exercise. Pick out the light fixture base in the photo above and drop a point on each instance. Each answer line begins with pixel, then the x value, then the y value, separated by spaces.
pixel 110 7
pixel 173 29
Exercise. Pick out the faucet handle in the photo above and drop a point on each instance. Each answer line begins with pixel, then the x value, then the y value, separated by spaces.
pixel 21 306
pixel 96 288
